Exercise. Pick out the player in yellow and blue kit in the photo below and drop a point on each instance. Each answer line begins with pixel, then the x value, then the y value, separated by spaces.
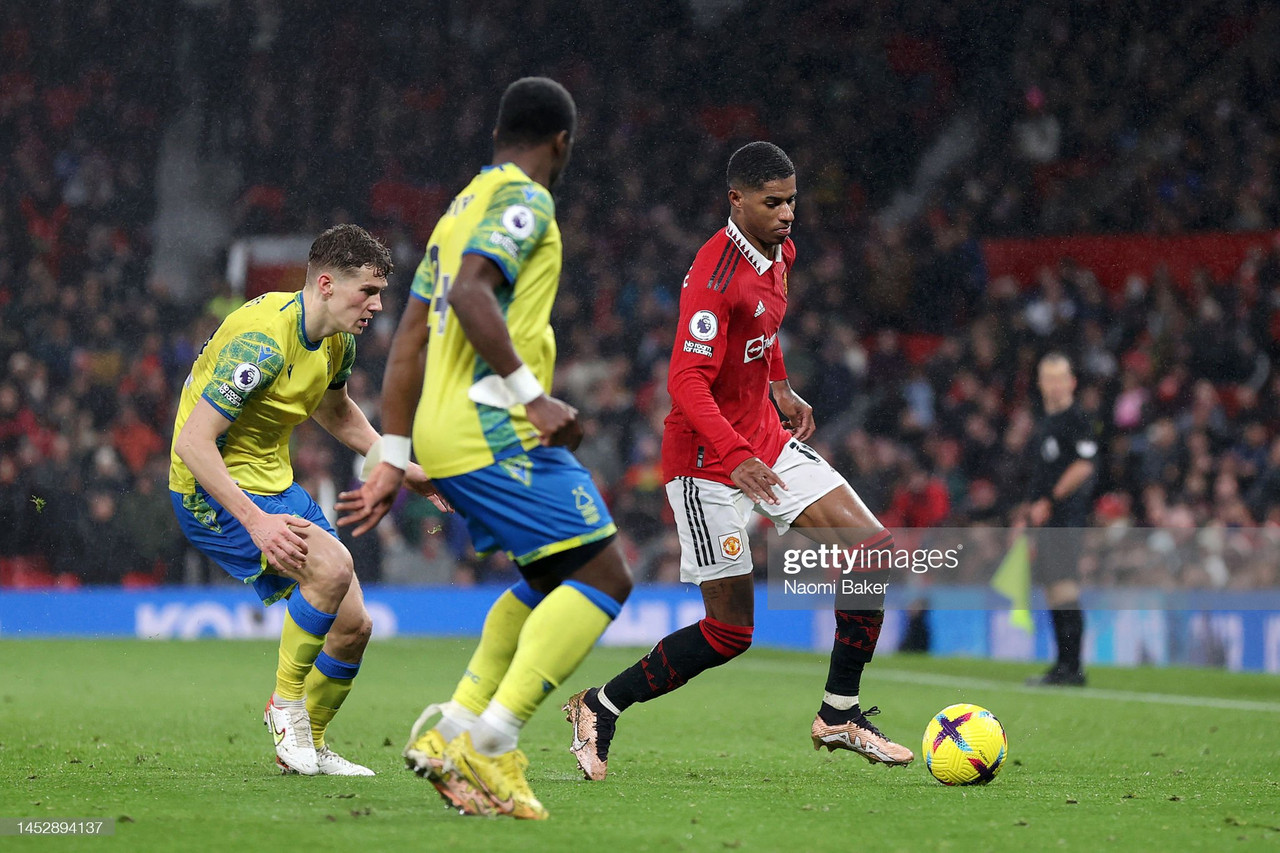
pixel 497 445
pixel 274 362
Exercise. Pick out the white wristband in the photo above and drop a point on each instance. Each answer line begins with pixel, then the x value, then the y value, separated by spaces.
pixel 523 386
pixel 395 450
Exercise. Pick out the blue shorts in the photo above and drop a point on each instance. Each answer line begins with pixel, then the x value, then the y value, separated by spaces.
pixel 531 505
pixel 223 539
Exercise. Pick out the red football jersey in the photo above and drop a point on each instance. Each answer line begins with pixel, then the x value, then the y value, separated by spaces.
pixel 726 354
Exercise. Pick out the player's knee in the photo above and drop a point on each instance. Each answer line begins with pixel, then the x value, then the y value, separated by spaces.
pixel 877 553
pixel 350 636
pixel 337 569
pixel 360 633
pixel 726 639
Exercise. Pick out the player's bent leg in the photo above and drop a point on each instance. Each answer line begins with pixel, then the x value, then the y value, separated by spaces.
pixel 555 639
pixel 310 613
pixel 330 679
pixel 724 634
pixel 560 632
pixel 424 753
pixel 840 722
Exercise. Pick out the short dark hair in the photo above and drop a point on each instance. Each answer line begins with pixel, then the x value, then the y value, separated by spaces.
pixel 347 248
pixel 756 163
pixel 532 111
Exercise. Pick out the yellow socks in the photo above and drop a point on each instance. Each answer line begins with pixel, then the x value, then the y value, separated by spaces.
pixel 301 640
pixel 497 646
pixel 556 638
pixel 327 685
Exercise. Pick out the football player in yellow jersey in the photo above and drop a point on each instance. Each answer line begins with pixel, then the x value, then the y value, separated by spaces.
pixel 274 362
pixel 497 446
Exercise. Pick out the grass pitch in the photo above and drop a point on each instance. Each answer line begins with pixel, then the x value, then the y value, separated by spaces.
pixel 167 739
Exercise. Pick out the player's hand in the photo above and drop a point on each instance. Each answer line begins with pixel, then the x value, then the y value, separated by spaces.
pixel 556 421
pixel 757 480
pixel 274 536
pixel 368 504
pixel 416 480
pixel 1039 512
pixel 798 413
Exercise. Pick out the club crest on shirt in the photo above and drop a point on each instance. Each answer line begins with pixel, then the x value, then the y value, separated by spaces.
pixel 703 325
pixel 731 545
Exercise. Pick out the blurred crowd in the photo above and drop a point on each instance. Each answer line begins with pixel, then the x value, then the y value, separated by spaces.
pixel 920 368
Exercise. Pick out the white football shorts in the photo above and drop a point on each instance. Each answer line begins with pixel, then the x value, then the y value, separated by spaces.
pixel 712 517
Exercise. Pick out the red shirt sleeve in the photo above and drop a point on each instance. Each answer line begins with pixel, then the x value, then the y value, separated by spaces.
pixel 777 368
pixel 701 342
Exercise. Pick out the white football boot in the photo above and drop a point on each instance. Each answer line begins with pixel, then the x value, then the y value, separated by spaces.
pixel 290 727
pixel 332 764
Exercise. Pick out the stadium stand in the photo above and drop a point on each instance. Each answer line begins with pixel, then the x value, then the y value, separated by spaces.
pixel 914 350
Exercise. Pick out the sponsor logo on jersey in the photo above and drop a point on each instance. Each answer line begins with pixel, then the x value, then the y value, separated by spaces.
pixel 519 220
pixel 699 349
pixel 703 325
pixel 756 347
pixel 731 545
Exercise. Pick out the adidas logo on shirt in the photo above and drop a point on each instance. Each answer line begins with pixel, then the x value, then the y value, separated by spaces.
pixel 759 308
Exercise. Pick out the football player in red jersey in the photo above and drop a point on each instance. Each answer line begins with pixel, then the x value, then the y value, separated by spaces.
pixel 725 454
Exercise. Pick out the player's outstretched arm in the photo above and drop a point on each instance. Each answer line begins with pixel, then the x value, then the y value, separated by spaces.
pixel 472 301
pixel 343 419
pixel 274 535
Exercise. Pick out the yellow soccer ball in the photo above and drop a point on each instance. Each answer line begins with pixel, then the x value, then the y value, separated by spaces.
pixel 964 745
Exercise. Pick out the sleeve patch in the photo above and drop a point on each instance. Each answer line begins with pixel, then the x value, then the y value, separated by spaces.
pixel 246 376
pixel 519 220
pixel 515 221
pixel 699 349
pixel 248 363
pixel 703 325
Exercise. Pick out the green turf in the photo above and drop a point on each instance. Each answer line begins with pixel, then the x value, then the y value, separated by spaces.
pixel 167 738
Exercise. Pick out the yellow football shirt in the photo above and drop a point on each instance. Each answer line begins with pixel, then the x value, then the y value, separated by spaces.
pixel 510 219
pixel 263 374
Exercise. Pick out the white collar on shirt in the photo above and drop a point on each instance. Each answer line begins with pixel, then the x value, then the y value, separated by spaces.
pixel 758 260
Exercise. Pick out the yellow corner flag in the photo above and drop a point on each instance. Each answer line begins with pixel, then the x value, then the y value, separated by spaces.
pixel 1013 580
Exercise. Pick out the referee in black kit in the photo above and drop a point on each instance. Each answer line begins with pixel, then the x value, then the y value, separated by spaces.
pixel 1065 450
